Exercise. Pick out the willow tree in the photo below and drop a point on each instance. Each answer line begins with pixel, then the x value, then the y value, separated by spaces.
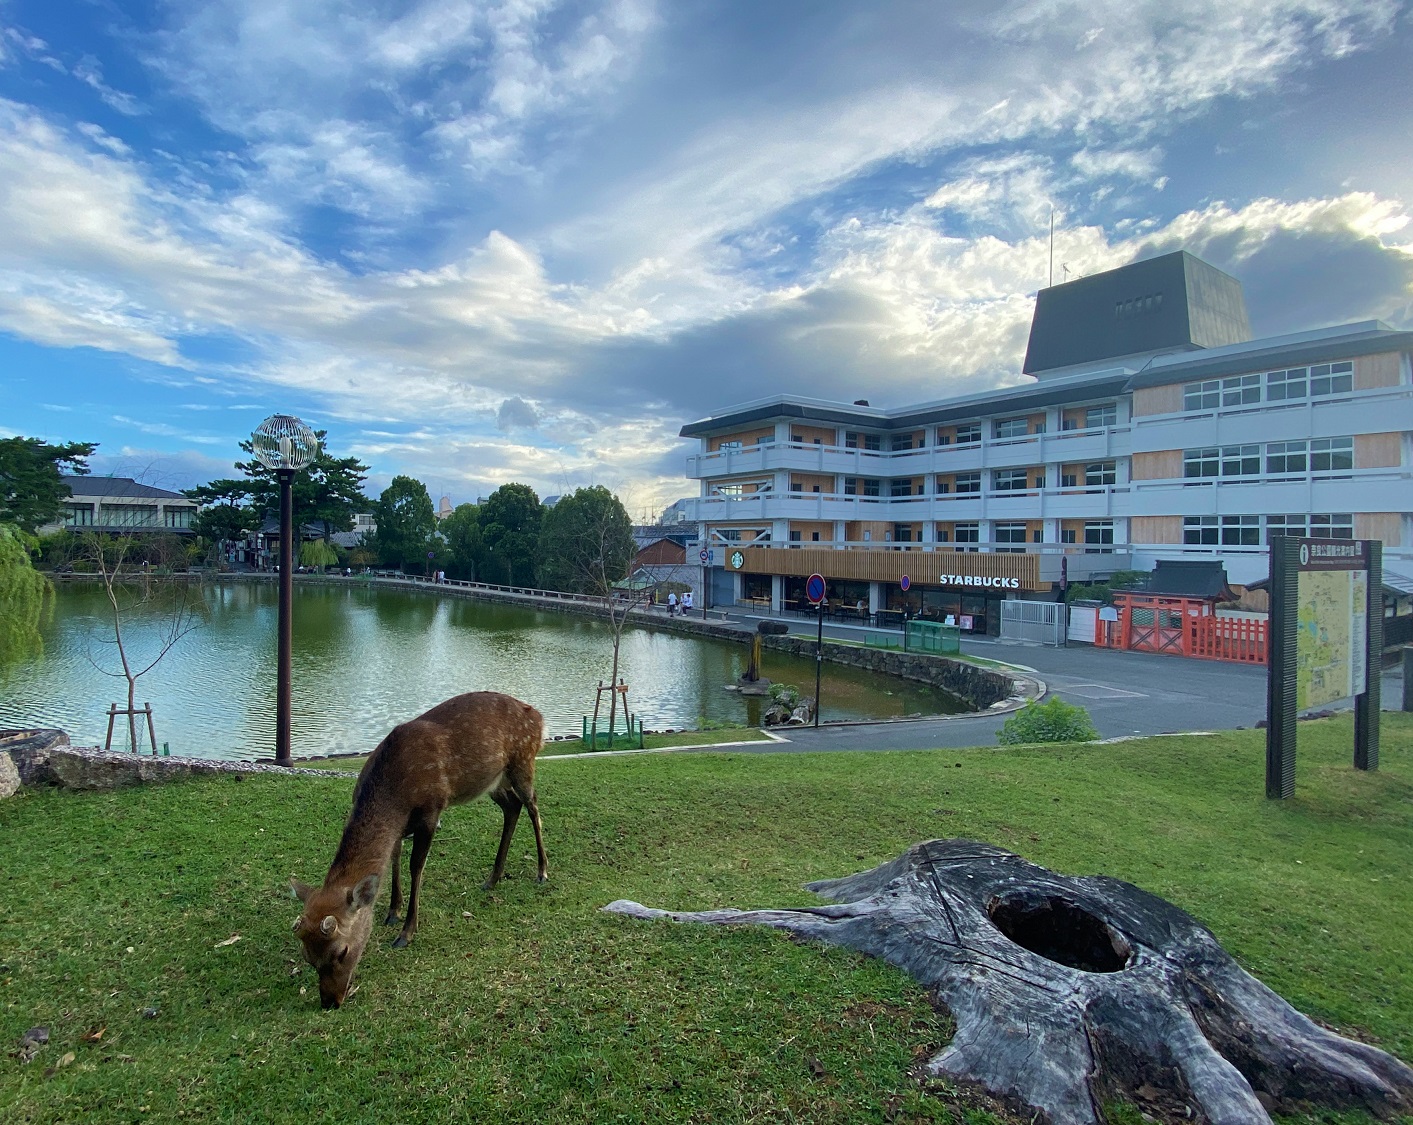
pixel 23 594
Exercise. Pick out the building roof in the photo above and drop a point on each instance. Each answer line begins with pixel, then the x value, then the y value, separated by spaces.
pixel 1189 578
pixel 124 488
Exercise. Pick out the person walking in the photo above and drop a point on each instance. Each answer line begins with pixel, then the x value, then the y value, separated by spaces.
pixel 672 604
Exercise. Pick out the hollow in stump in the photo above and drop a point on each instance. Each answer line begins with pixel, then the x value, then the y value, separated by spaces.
pixel 1072 992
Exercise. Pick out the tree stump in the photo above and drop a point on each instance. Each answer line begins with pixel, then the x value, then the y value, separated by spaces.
pixel 1070 992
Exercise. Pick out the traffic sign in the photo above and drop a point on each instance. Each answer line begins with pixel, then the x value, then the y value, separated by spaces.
pixel 814 588
pixel 905 582
pixel 703 555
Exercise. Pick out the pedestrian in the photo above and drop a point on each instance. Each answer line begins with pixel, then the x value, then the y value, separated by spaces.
pixel 672 604
pixel 687 602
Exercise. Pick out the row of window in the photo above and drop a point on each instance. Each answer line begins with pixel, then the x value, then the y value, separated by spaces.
pixel 1095 474
pixel 1319 455
pixel 1290 385
pixel 127 515
pixel 1246 531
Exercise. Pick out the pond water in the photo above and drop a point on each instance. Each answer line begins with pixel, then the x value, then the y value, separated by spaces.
pixel 367 658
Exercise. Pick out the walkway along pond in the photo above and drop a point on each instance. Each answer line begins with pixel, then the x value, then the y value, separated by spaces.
pixel 369 655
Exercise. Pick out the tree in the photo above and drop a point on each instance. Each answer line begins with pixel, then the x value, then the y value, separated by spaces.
pixel 31 491
pixel 171 607
pixel 406 522
pixel 510 534
pixel 328 492
pixel 586 543
pixel 462 532
pixel 23 591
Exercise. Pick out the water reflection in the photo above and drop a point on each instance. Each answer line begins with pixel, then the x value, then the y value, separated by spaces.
pixel 365 659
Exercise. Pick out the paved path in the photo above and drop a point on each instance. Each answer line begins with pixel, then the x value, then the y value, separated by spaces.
pixel 1125 693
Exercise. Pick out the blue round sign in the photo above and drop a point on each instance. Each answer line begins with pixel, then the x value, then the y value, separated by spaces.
pixel 814 588
pixel 905 582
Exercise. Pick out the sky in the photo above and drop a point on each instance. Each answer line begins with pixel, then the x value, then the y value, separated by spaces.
pixel 528 240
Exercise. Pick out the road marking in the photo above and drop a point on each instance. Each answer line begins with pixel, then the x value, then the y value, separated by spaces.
pixel 1100 691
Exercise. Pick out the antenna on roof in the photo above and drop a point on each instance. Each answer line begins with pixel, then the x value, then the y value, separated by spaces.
pixel 1052 244
pixel 1066 269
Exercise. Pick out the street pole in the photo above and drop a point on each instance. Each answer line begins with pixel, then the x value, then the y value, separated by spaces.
pixel 818 658
pixel 286 630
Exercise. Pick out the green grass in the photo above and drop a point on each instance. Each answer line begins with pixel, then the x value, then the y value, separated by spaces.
pixel 528 1004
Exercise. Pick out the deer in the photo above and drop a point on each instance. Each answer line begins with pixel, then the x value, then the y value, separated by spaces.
pixel 479 744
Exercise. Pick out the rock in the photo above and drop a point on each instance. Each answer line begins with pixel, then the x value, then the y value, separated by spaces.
pixel 1071 992
pixel 30 751
pixel 9 776
pixel 776 715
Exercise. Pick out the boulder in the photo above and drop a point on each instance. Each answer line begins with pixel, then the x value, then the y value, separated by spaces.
pixel 9 776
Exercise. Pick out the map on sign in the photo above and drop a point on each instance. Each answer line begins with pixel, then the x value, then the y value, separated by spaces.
pixel 1330 634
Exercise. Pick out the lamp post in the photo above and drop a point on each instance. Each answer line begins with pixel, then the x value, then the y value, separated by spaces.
pixel 285 444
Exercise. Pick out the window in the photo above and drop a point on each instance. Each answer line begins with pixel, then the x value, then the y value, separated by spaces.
pixel 1285 386
pixel 729 446
pixel 1331 455
pixel 965 533
pixel 1106 414
pixel 798 439
pixel 902 442
pixel 872 441
pixel 765 439
pixel 1067 535
pixel 968 435
pixel 902 533
pixel 1199 530
pixel 78 515
pixel 943 439
pixel 1285 457
pixel 814 536
pixel 1297 526
pixel 1010 480
pixel 1241 531
pixel 1331 379
pixel 967 482
pixel 129 515
pixel 1100 472
pixel 797 485
pixel 1241 460
pixel 900 488
pixel 870 487
pixel 1099 533
pixel 729 534
pixel 1331 526
pixel 1012 427
pixel 1241 390
pixel 794 537
pixel 1202 396
pixel 942 534
pixel 176 517
pixel 1200 463
pixel 943 487
pixel 1068 480
pixel 851 486
pixel 851 441
pixel 1009 533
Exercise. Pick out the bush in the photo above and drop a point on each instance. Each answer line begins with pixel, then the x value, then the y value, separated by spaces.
pixel 787 695
pixel 1051 721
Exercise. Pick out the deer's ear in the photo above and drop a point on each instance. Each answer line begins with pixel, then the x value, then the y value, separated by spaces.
pixel 301 891
pixel 365 892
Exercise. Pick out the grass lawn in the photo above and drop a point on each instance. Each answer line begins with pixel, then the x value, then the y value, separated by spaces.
pixel 528 1004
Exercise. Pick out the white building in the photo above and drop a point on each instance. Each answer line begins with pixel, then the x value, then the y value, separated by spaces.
pixel 1153 428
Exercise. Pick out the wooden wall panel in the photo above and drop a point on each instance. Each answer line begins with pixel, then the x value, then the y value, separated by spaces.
pixel 807 482
pixel 747 438
pixel 1387 526
pixel 1155 529
pixel 810 434
pixel 1376 371
pixel 1158 400
pixel 1378 451
pixel 1166 464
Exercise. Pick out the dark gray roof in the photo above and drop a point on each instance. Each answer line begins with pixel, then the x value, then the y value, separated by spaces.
pixel 117 487
pixel 1173 301
pixel 1193 579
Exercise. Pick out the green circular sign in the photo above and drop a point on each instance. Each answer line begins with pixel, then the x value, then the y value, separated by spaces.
pixel 738 560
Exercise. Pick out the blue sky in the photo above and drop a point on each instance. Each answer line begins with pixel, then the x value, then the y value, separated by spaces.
pixel 527 240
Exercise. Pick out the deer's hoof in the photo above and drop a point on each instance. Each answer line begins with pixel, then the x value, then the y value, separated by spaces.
pixel 392 919
pixel 543 878
pixel 402 941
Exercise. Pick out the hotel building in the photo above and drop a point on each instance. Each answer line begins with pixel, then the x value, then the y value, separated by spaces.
pixel 1151 427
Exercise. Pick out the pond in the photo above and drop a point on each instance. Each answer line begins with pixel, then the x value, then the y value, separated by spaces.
pixel 367 658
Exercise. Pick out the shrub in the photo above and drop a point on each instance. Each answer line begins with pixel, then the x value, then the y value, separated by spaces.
pixel 1051 721
pixel 785 694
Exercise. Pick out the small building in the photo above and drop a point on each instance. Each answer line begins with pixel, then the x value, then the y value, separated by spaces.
pixel 121 505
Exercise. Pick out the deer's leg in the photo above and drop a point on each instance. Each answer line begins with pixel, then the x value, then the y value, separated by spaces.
pixel 509 805
pixel 421 846
pixel 522 782
pixel 395 903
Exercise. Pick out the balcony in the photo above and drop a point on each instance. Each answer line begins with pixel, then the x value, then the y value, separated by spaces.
pixel 1098 501
pixel 1354 490
pixel 1100 443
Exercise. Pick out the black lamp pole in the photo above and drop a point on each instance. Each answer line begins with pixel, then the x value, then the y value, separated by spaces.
pixel 283 695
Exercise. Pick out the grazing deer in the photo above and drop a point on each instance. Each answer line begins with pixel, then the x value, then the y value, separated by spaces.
pixel 474 744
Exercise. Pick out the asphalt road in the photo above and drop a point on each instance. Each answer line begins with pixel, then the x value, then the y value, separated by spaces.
pixel 1125 693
